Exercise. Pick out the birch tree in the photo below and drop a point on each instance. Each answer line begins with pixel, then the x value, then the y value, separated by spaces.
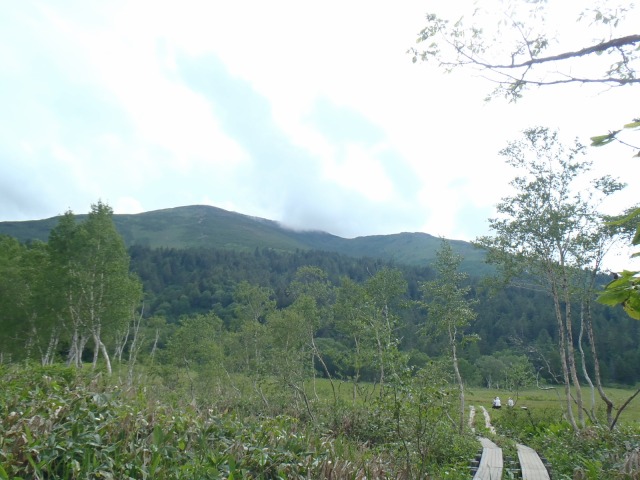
pixel 90 272
pixel 542 230
pixel 450 310
pixel 314 296
pixel 385 293
pixel 351 313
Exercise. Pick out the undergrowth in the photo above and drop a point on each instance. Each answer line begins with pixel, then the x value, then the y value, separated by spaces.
pixel 63 423
pixel 592 453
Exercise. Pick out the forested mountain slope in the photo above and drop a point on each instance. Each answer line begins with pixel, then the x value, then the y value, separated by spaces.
pixel 205 226
pixel 192 259
pixel 180 282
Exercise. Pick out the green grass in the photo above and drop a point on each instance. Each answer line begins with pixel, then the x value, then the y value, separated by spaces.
pixel 550 401
pixel 56 422
pixel 553 400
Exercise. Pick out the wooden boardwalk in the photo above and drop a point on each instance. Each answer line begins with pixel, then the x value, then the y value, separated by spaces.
pixel 530 464
pixel 491 463
pixel 490 467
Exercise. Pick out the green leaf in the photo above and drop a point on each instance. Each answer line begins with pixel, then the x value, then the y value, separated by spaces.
pixel 634 124
pixel 627 218
pixel 623 290
pixel 158 436
pixel 600 140
pixel 613 297
pixel 632 306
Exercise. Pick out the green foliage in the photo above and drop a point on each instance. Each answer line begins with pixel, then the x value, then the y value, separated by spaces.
pixel 447 298
pixel 601 140
pixel 595 452
pixel 23 299
pixel 625 289
pixel 549 234
pixel 57 423
pixel 450 310
pixel 92 293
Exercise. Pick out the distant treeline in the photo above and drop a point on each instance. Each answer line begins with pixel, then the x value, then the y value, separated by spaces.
pixel 511 321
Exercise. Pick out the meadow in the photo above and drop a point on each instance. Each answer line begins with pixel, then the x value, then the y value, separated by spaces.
pixel 551 401
pixel 59 422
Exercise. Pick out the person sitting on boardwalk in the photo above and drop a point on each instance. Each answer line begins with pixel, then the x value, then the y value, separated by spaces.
pixel 496 403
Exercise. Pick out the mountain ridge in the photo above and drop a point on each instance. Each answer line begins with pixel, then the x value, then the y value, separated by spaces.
pixel 202 226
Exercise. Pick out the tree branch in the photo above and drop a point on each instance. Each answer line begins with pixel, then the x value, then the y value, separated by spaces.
pixel 600 47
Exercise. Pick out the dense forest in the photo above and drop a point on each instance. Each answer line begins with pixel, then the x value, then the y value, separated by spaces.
pixel 510 320
pixel 512 323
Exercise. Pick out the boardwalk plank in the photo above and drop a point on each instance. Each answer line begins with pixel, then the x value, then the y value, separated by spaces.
pixel 490 467
pixel 531 465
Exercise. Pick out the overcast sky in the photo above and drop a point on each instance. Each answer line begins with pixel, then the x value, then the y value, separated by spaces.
pixel 307 113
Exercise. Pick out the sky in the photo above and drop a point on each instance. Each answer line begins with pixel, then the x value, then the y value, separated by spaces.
pixel 308 113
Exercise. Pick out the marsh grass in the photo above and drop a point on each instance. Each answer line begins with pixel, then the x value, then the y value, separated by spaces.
pixel 552 402
pixel 61 423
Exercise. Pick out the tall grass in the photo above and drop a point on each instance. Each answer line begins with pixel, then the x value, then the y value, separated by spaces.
pixel 61 423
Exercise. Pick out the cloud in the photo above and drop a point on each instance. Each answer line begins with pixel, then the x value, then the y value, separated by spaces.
pixel 305 188
pixel 308 114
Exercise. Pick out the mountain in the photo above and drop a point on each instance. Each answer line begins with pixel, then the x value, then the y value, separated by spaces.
pixel 207 226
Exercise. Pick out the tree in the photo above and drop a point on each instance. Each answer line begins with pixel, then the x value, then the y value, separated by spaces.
pixel 544 230
pixel 520 53
pixel 64 291
pixel 94 288
pixel 43 333
pixel 22 307
pixel 288 357
pixel 510 46
pixel 384 294
pixel 450 311
pixel 254 304
pixel 351 314
pixel 492 369
pixel 313 295
pixel 196 347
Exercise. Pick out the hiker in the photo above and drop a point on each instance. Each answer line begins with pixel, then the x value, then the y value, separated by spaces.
pixel 510 402
pixel 496 403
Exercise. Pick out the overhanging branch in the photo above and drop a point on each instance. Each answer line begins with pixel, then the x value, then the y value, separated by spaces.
pixel 600 47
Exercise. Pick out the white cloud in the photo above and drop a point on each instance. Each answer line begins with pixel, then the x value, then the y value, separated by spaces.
pixel 127 205
pixel 360 171
pixel 100 94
